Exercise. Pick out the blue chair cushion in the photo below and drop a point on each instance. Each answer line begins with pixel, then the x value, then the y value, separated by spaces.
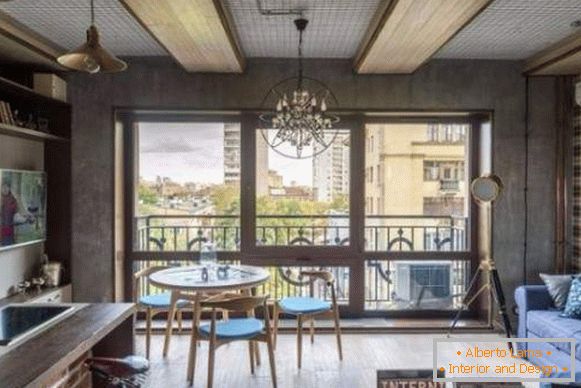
pixel 234 329
pixel 160 301
pixel 303 305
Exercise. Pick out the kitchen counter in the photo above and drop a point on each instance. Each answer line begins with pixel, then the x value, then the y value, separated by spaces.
pixel 104 329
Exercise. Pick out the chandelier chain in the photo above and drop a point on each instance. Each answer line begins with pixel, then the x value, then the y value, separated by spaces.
pixel 92 12
pixel 300 59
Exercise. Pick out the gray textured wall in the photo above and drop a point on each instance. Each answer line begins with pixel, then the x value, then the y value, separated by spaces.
pixel 442 84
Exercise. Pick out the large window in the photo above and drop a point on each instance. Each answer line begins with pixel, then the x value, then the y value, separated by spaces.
pixel 188 186
pixel 303 201
pixel 386 207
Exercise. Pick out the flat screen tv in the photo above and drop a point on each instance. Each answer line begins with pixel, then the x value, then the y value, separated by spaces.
pixel 22 208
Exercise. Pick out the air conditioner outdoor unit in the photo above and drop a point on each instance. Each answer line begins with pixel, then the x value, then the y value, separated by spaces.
pixel 434 278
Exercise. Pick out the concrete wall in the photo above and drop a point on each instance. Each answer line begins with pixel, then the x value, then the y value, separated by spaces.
pixel 442 84
pixel 21 263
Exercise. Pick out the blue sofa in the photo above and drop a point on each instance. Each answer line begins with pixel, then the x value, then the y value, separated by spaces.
pixel 537 318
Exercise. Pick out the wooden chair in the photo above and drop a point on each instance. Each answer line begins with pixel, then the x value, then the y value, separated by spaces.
pixel 154 304
pixel 307 308
pixel 234 329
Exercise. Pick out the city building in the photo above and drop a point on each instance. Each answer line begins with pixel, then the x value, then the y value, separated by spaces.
pixel 331 170
pixel 232 158
pixel 231 153
pixel 416 169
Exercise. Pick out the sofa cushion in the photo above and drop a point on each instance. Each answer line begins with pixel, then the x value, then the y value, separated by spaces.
pixel 549 324
pixel 573 306
pixel 558 286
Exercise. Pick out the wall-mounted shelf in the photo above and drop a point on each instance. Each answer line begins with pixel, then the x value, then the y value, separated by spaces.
pixel 30 134
pixel 57 161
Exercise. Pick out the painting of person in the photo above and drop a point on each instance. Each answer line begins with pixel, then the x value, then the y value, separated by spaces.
pixel 11 214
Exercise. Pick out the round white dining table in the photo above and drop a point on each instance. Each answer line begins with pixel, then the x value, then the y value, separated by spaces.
pixel 200 280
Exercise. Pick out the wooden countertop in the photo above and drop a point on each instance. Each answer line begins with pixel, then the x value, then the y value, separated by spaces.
pixel 52 350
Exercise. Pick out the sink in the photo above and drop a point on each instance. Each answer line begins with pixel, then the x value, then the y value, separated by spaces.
pixel 22 321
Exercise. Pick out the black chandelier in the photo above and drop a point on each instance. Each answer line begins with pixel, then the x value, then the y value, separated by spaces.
pixel 300 126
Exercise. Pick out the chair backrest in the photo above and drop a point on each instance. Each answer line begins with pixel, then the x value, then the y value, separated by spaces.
pixel 235 302
pixel 140 275
pixel 326 276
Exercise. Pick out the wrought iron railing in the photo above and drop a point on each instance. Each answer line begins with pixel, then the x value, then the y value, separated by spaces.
pixel 382 233
pixel 389 284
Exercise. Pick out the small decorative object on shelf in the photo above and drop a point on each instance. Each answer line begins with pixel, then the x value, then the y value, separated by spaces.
pixel 23 286
pixel 38 282
pixel 42 124
pixel 18 120
pixel 51 272
pixel 31 122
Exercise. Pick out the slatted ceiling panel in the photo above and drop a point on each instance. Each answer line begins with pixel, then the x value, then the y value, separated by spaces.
pixel 195 32
pixel 514 29
pixel 65 21
pixel 412 31
pixel 335 30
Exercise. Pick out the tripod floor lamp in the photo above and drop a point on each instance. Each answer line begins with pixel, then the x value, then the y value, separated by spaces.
pixel 485 190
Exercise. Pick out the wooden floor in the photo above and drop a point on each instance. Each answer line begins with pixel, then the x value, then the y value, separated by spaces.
pixel 364 354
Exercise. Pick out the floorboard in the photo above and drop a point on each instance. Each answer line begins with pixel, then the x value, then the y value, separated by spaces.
pixel 364 354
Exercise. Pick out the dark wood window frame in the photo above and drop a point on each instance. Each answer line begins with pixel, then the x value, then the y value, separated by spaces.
pixel 353 255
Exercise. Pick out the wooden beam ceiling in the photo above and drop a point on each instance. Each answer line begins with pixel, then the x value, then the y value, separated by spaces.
pixel 20 44
pixel 562 58
pixel 406 33
pixel 196 33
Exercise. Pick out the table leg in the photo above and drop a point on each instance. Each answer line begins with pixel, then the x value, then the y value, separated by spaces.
pixel 169 325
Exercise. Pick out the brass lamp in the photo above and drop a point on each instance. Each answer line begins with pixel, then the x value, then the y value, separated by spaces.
pixel 91 57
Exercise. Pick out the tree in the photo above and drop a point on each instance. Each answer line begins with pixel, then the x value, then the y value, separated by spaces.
pixel 147 195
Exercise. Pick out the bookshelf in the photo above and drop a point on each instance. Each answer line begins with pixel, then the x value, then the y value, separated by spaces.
pixel 30 134
pixel 57 162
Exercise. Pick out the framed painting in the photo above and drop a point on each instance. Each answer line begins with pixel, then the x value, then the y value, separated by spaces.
pixel 22 208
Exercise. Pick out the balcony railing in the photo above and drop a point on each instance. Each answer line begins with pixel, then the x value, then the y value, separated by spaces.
pixel 179 233
pixel 389 284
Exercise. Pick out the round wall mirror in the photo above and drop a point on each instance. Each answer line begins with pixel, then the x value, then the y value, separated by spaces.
pixel 486 188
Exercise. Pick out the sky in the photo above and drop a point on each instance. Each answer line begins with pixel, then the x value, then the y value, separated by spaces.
pixel 184 152
pixel 194 152
pixel 297 170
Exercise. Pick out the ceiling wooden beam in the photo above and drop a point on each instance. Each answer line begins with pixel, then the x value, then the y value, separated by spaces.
pixel 31 46
pixel 198 34
pixel 406 33
pixel 562 58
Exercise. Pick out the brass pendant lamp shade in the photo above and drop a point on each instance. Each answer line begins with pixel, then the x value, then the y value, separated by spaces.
pixel 91 57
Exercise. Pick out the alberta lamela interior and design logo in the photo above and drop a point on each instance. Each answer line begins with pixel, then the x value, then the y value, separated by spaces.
pixel 502 360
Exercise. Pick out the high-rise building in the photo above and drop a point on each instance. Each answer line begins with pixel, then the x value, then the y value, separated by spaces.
pixel 231 153
pixel 331 170
pixel 232 145
pixel 261 166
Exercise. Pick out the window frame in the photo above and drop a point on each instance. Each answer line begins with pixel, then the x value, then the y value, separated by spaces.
pixel 352 256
